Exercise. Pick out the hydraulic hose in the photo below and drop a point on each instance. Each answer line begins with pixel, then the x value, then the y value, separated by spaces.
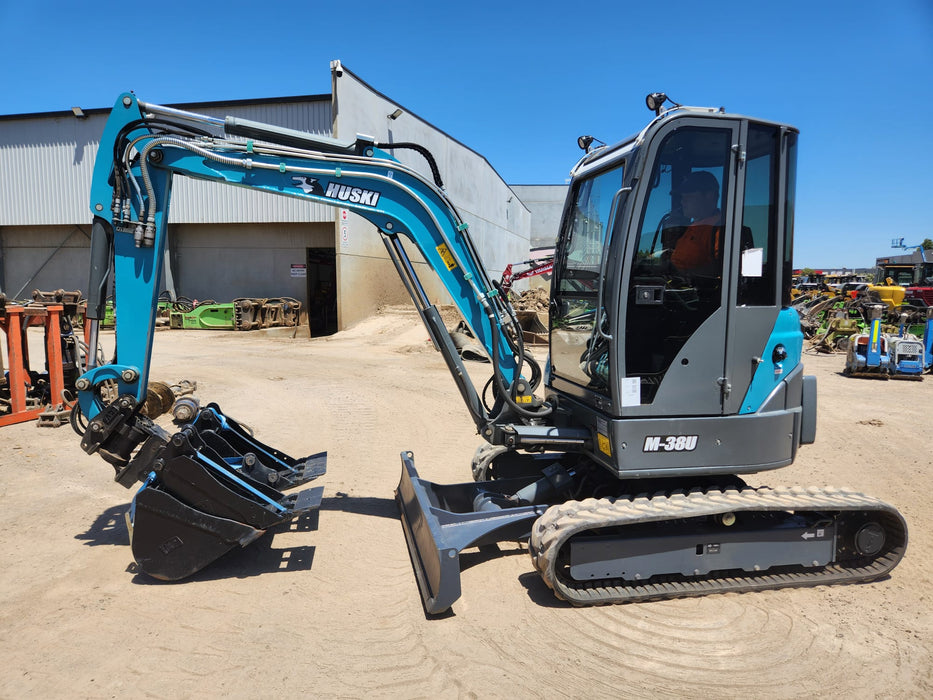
pixel 506 389
pixel 428 156
pixel 496 315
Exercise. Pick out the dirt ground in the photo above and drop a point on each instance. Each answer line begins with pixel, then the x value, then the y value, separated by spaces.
pixel 334 612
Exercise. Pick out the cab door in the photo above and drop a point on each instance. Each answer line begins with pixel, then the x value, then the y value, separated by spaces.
pixel 761 332
pixel 676 319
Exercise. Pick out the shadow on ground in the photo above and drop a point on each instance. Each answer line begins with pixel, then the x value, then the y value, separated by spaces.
pixel 258 558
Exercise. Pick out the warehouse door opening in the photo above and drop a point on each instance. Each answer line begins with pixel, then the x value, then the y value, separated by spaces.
pixel 322 291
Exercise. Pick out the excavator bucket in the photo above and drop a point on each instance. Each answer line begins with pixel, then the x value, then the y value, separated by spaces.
pixel 439 521
pixel 206 490
pixel 195 507
pixel 260 461
pixel 171 541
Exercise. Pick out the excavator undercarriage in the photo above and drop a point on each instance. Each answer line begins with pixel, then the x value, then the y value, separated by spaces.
pixel 666 543
pixel 682 544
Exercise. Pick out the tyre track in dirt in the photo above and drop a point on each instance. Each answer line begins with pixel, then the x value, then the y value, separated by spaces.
pixel 732 646
pixel 725 644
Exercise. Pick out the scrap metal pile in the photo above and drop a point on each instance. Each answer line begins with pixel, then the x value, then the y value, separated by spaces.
pixel 881 339
pixel 531 309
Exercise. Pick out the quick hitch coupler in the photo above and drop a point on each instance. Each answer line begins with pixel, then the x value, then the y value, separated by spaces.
pixel 115 433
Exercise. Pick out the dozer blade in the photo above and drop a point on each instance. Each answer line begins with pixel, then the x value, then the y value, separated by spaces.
pixel 439 521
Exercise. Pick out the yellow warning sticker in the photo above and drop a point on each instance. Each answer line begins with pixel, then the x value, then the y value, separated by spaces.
pixel 446 256
pixel 604 446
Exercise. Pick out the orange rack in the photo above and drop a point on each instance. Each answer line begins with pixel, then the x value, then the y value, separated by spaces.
pixel 14 323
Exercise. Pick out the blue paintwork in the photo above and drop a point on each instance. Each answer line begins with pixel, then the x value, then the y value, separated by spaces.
pixel 928 345
pixel 137 271
pixel 874 350
pixel 227 474
pixel 909 367
pixel 238 461
pixel 405 205
pixel 152 481
pixel 769 374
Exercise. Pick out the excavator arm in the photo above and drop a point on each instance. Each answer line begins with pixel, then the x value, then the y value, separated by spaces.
pixel 148 145
pixel 213 486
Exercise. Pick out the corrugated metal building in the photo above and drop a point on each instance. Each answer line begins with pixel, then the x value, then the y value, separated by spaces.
pixel 227 242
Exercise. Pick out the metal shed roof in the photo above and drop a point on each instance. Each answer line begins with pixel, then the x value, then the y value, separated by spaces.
pixel 46 164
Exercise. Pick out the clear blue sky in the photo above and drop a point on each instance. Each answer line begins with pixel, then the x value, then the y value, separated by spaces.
pixel 518 81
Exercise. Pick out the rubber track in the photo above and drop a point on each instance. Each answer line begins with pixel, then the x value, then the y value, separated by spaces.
pixel 561 522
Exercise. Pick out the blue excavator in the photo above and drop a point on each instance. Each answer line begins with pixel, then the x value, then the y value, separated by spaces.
pixel 622 462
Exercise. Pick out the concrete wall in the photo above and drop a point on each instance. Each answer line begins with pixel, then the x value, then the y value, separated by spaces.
pixel 546 204
pixel 498 221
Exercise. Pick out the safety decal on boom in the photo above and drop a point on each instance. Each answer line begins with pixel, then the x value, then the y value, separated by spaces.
pixel 446 256
pixel 670 443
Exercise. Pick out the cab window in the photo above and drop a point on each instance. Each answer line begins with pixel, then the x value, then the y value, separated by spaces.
pixel 577 353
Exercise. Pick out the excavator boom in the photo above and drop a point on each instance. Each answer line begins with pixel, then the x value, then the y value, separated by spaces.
pixel 134 186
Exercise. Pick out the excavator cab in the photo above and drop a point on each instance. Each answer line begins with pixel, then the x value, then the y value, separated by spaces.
pixel 638 339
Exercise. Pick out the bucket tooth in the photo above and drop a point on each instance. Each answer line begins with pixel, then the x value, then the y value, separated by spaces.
pixel 309 468
pixel 304 501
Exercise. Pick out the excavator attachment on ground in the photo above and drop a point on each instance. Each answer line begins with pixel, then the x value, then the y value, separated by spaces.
pixel 441 521
pixel 206 489
pixel 674 367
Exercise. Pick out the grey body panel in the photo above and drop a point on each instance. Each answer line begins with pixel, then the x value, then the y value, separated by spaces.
pixel 691 388
pixel 750 329
pixel 731 444
pixel 808 421
pixel 735 445
pixel 701 552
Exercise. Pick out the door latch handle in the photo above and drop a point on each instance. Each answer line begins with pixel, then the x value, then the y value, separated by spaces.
pixel 724 386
